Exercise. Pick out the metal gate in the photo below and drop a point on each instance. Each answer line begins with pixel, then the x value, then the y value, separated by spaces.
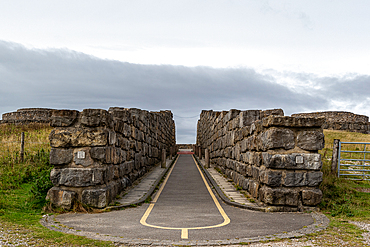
pixel 354 164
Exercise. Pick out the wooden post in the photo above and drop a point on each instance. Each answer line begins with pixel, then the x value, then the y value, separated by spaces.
pixel 206 158
pixel 163 164
pixel 22 147
pixel 334 159
pixel 200 152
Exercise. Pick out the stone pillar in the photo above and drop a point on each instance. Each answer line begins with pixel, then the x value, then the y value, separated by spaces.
pixel 206 158
pixel 163 164
pixel 334 160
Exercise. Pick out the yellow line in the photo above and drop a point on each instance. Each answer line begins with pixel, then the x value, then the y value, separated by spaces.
pixel 220 209
pixel 147 212
pixel 184 231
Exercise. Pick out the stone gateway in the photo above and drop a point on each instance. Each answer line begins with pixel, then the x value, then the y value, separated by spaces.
pixel 97 153
pixel 273 157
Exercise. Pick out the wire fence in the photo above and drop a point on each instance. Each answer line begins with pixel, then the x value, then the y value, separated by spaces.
pixel 17 150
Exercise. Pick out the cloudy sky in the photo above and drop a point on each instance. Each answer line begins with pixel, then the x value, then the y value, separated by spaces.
pixel 186 56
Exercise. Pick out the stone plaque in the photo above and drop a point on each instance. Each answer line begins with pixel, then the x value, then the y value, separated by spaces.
pixel 80 155
pixel 299 159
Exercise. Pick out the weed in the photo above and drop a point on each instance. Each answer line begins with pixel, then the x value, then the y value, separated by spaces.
pixel 148 200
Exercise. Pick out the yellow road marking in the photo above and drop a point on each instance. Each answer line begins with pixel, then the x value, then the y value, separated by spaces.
pixel 184 231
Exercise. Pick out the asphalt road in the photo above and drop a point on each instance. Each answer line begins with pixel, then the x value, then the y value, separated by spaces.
pixel 186 210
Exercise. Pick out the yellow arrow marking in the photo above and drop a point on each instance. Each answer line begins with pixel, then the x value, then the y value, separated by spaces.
pixel 184 231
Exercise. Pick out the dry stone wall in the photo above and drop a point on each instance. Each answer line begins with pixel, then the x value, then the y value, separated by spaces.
pixel 273 157
pixel 340 120
pixel 28 115
pixel 97 153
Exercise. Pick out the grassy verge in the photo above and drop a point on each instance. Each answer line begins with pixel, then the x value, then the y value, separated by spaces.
pixel 23 187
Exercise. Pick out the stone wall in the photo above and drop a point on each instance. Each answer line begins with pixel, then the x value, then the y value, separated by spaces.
pixel 185 146
pixel 97 153
pixel 273 157
pixel 28 115
pixel 340 120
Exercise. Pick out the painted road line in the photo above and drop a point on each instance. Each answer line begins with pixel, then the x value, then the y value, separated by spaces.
pixel 184 231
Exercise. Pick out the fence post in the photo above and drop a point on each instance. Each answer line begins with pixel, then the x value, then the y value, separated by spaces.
pixel 334 159
pixel 22 147
pixel 163 164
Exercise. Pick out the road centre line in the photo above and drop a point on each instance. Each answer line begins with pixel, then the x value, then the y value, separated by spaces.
pixel 184 231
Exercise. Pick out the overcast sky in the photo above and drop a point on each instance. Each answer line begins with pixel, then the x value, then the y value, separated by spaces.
pixel 186 56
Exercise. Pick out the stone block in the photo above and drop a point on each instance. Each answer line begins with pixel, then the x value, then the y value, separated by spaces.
pixel 98 153
pixel 251 143
pixel 243 146
pixel 277 138
pixel 295 122
pixel 255 172
pixel 81 156
pixel 246 118
pixel 119 113
pixel 95 118
pixel 279 196
pixel 130 166
pixel 272 112
pixel 112 138
pixel 95 197
pixel 138 160
pixel 63 118
pixel 310 140
pixel 292 161
pixel 245 184
pixel 253 188
pixel 271 177
pixel 294 179
pixel 110 173
pixel 255 159
pixel 61 198
pixel 314 178
pixel 60 156
pixel 113 155
pixel 77 137
pixel 230 115
pixel 78 177
pixel 311 197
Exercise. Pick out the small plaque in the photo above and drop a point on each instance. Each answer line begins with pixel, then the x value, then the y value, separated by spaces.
pixel 80 155
pixel 299 159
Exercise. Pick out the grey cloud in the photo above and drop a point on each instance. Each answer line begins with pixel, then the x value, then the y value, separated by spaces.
pixel 68 79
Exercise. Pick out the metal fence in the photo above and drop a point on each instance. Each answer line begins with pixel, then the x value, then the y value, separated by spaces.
pixel 354 160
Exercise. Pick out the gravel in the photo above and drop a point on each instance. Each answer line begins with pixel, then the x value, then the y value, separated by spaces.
pixel 13 238
pixel 364 226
